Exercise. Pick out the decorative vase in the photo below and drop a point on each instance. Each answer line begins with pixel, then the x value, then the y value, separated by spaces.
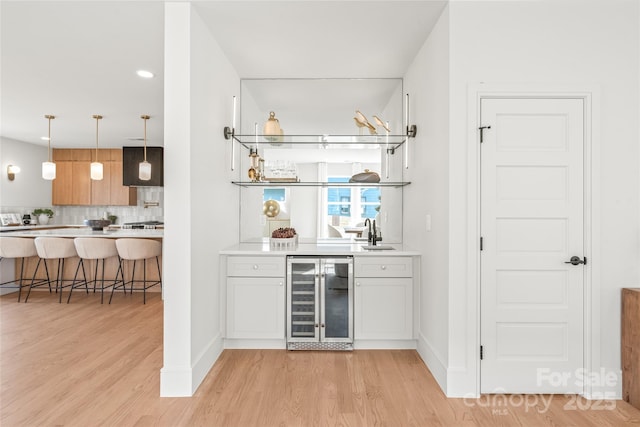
pixel 43 219
pixel 272 130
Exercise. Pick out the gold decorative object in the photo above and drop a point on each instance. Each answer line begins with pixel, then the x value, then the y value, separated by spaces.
pixel 361 121
pixel 379 122
pixel 271 208
pixel 272 130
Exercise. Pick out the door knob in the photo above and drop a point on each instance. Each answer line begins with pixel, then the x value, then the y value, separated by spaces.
pixel 575 260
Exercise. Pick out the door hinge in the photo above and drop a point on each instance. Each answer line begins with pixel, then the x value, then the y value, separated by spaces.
pixel 481 243
pixel 482 128
pixel 481 352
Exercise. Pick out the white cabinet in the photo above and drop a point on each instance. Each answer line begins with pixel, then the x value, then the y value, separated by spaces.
pixel 383 298
pixel 255 297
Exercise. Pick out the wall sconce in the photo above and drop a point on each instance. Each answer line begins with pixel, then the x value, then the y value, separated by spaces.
pixel 12 170
pixel 144 167
pixel 96 167
pixel 48 167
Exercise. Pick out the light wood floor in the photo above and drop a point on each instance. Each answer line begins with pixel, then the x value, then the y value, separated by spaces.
pixel 86 364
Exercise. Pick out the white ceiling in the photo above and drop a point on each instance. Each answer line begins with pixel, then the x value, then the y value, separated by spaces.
pixel 74 59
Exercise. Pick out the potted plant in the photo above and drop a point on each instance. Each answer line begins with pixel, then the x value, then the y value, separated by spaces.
pixel 43 215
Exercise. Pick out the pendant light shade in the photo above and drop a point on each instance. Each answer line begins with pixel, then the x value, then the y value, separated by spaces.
pixel 48 170
pixel 96 167
pixel 144 171
pixel 48 167
pixel 144 167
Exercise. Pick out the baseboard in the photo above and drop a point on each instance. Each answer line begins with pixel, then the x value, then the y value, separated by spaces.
pixel 435 364
pixel 175 382
pixel 205 361
pixel 255 344
pixel 183 381
pixel 384 344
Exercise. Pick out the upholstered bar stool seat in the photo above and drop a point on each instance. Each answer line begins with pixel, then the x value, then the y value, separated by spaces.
pixel 139 250
pixel 18 248
pixel 97 249
pixel 59 248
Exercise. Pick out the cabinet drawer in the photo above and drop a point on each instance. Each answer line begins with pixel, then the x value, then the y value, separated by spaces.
pixel 383 267
pixel 241 266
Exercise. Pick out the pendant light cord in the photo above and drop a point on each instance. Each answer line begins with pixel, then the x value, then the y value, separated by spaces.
pixel 97 117
pixel 49 117
pixel 145 117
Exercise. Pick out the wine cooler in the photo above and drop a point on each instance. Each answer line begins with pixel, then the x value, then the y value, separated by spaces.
pixel 319 303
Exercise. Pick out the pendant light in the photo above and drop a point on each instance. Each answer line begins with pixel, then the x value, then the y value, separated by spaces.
pixel 48 167
pixel 96 167
pixel 144 167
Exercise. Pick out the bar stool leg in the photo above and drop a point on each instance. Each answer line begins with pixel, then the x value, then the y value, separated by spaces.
pixel 34 278
pixel 20 282
pixel 124 283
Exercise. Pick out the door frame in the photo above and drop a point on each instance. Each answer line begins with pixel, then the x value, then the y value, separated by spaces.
pixel 590 94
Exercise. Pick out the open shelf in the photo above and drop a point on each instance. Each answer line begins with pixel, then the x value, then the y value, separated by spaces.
pixel 319 184
pixel 390 142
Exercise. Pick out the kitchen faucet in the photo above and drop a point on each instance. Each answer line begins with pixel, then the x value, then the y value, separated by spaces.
pixel 372 237
pixel 369 233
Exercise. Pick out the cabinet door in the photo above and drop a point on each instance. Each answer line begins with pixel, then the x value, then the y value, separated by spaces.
pixel 121 195
pixel 101 190
pixel 81 183
pixel 383 308
pixel 62 186
pixel 255 307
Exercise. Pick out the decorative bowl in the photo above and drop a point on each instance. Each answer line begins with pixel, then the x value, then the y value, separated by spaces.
pixel 97 224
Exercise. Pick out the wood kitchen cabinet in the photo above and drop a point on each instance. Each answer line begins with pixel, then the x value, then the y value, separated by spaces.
pixel 73 184
pixel 383 298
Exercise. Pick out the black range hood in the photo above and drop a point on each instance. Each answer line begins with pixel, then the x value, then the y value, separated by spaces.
pixel 132 156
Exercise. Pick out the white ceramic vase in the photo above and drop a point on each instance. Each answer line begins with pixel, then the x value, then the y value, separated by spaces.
pixel 43 219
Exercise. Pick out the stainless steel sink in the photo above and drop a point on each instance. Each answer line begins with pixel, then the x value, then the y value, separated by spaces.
pixel 378 248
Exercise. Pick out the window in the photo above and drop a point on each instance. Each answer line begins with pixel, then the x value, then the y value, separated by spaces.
pixel 351 205
pixel 277 194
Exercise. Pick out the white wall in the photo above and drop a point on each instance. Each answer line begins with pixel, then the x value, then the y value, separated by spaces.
pixel 591 43
pixel 201 205
pixel 28 190
pixel 427 82
pixel 214 204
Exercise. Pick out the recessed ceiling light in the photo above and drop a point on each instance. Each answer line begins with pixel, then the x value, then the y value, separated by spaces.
pixel 144 73
pixel 44 138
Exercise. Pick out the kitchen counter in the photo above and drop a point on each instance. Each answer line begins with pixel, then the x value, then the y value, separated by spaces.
pixel 321 248
pixel 66 231
pixel 10 228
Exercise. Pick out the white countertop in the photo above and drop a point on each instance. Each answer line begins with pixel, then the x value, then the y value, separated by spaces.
pixel 83 232
pixel 318 249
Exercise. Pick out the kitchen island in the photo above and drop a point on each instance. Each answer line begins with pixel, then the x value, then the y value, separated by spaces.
pixel 255 292
pixel 9 270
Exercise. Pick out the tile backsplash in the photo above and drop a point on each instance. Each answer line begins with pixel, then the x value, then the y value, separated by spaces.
pixel 73 215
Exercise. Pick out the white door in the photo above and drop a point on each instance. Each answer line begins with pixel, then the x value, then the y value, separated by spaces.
pixel 532 223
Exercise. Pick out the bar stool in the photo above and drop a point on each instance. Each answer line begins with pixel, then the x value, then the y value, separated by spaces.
pixel 98 249
pixel 59 248
pixel 18 247
pixel 136 250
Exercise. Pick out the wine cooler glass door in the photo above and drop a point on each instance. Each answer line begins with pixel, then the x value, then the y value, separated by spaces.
pixel 336 284
pixel 304 320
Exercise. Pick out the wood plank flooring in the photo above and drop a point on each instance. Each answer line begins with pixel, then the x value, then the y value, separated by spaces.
pixel 86 364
